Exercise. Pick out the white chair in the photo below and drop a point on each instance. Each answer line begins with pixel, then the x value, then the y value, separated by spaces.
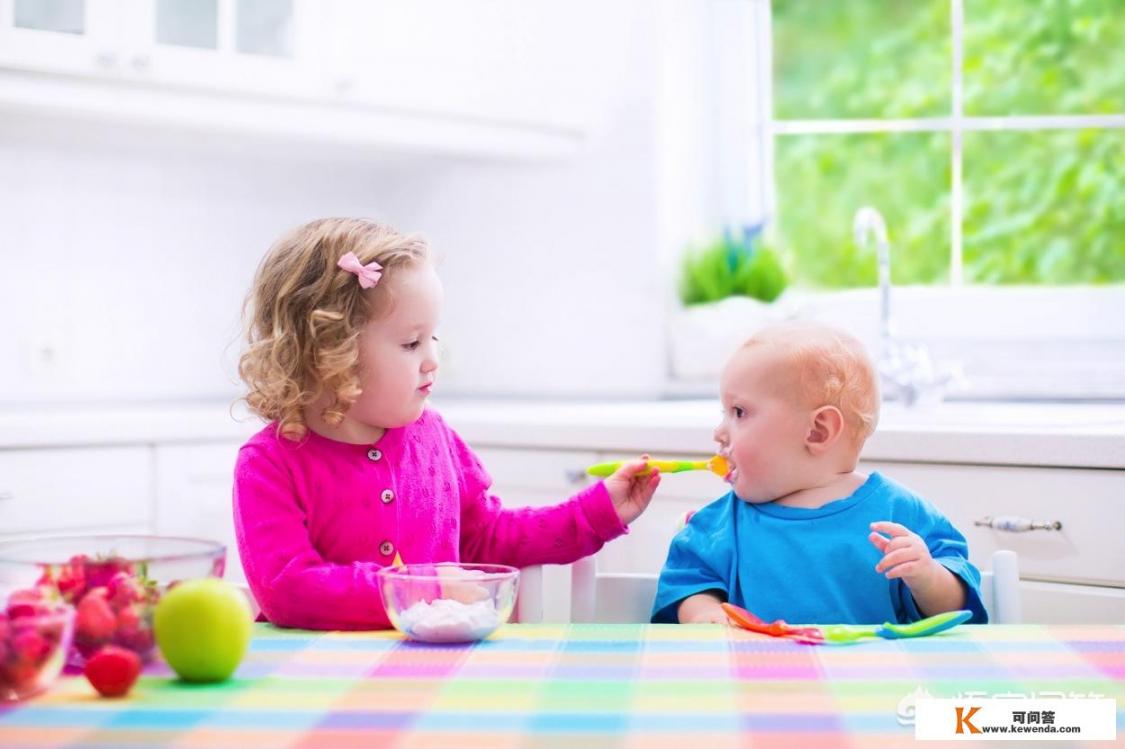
pixel 628 597
pixel 1000 589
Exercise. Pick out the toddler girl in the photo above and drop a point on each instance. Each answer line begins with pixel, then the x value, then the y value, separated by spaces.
pixel 353 472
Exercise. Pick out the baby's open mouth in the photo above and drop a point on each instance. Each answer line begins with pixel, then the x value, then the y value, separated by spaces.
pixel 732 469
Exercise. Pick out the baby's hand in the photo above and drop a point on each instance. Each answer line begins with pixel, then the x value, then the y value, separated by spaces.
pixel 702 608
pixel 630 492
pixel 708 616
pixel 905 554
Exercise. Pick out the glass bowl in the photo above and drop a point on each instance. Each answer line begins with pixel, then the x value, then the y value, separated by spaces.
pixel 448 602
pixel 35 634
pixel 113 582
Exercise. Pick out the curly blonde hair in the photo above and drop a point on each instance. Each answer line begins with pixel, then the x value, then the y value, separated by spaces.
pixel 304 315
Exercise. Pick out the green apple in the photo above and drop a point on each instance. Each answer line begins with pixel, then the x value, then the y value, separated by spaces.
pixel 203 629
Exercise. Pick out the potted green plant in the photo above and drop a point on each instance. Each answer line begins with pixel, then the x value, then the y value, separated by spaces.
pixel 728 289
pixel 733 266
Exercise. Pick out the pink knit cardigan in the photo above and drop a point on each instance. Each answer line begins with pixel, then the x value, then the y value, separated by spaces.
pixel 315 519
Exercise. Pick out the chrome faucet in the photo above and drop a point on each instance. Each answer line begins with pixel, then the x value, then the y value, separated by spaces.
pixel 906 369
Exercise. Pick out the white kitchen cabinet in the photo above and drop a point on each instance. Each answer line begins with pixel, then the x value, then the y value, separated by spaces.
pixel 260 47
pixel 504 60
pixel 538 478
pixel 75 490
pixel 1060 603
pixel 62 36
pixel 194 496
pixel 1078 568
pixel 250 46
pixel 472 77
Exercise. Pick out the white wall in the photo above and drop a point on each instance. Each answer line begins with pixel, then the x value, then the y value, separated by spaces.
pixel 125 256
pixel 551 271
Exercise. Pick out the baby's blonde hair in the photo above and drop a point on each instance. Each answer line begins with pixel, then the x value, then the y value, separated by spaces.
pixel 824 366
pixel 304 316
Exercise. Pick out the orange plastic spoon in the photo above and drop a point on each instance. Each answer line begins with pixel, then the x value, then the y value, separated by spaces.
pixel 777 628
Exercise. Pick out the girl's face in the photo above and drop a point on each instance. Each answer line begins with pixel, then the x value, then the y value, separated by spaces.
pixel 763 430
pixel 398 355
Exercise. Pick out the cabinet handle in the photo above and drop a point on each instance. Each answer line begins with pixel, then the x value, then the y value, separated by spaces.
pixel 575 475
pixel 7 496
pixel 142 63
pixel 106 59
pixel 1016 524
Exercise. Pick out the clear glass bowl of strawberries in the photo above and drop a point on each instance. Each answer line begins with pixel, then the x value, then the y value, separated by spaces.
pixel 35 633
pixel 112 582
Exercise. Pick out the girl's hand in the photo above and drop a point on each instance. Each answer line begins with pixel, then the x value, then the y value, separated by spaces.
pixel 905 555
pixel 632 493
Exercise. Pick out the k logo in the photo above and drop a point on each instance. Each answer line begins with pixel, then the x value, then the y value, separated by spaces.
pixel 964 720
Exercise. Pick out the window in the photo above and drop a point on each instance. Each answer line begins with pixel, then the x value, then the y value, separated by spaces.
pixel 990 134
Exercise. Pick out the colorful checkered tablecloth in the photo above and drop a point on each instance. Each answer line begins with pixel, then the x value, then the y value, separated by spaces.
pixel 582 685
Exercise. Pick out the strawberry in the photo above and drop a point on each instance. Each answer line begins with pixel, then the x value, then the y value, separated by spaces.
pixel 95 620
pixel 27 603
pixel 30 647
pixel 99 573
pixel 113 670
pixel 19 675
pixel 72 579
pixel 3 637
pixel 133 630
pixel 124 589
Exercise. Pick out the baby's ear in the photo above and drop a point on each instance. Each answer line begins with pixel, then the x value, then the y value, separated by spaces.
pixel 825 428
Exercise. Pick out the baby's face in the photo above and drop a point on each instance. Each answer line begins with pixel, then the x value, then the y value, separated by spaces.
pixel 764 427
pixel 398 357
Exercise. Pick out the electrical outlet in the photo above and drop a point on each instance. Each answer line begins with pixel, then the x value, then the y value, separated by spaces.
pixel 44 354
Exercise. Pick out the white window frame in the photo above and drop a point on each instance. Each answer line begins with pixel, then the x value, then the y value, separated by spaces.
pixel 1057 342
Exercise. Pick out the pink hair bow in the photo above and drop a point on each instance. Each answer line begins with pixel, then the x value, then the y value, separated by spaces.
pixel 368 275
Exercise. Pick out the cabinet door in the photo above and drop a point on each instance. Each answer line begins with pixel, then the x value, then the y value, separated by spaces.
pixel 65 490
pixel 645 549
pixel 538 478
pixel 482 60
pixel 63 36
pixel 1058 603
pixel 249 46
pixel 194 496
pixel 1085 503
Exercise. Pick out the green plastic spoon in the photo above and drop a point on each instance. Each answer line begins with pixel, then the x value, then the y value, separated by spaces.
pixel 929 626
pixel 717 465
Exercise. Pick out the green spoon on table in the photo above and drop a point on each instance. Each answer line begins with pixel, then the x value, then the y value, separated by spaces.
pixel 887 630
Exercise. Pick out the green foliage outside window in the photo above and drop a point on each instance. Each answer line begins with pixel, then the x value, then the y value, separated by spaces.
pixel 1041 207
pixel 1044 57
pixel 821 183
pixel 856 59
pixel 1046 206
pixel 732 267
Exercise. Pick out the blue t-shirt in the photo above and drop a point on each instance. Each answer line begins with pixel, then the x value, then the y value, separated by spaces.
pixel 809 565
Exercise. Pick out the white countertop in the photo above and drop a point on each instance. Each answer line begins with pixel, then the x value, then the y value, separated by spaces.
pixel 1078 435
pixel 127 424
